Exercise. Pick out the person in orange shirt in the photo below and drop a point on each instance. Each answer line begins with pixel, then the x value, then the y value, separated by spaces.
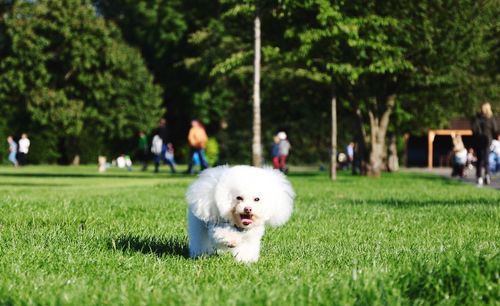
pixel 197 139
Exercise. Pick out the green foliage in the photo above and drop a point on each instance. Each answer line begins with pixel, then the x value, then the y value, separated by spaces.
pixel 70 235
pixel 423 52
pixel 44 147
pixel 224 59
pixel 427 54
pixel 67 70
pixel 212 151
pixel 155 26
pixel 159 30
pixel 349 45
pixel 449 45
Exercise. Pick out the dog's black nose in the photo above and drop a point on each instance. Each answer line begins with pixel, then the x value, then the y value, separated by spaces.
pixel 247 210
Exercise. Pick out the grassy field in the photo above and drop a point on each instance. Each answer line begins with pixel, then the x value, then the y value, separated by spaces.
pixel 69 235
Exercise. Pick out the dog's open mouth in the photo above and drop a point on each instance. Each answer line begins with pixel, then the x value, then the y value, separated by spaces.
pixel 246 219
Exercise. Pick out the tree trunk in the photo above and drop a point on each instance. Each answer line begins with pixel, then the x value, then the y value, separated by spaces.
pixel 333 154
pixel 256 141
pixel 378 130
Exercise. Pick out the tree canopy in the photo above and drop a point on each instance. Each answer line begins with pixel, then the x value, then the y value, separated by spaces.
pixel 68 76
pixel 86 75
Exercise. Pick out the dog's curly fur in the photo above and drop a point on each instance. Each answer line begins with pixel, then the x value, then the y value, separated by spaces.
pixel 229 207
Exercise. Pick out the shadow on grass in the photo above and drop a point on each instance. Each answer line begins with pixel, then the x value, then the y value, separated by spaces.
pixel 411 203
pixel 90 175
pixel 431 177
pixel 172 246
pixel 24 184
pixel 307 174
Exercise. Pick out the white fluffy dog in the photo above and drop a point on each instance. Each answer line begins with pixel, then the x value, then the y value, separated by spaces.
pixel 229 206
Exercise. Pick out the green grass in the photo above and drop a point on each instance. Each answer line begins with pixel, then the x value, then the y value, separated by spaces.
pixel 72 236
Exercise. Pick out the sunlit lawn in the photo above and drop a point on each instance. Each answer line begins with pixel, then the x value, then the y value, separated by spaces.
pixel 69 235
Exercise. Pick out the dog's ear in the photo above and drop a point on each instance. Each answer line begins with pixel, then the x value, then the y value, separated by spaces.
pixel 281 196
pixel 201 195
pixel 223 196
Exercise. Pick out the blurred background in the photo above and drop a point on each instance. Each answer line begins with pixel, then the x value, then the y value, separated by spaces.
pixel 82 78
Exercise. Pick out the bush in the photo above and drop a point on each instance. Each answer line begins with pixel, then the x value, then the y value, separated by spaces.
pixel 212 151
pixel 75 88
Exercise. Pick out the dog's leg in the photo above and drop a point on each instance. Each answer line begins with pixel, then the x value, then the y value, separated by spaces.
pixel 199 242
pixel 247 252
pixel 225 236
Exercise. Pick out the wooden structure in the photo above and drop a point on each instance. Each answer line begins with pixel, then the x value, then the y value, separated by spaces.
pixel 433 133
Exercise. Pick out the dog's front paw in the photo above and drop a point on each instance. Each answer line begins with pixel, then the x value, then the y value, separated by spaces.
pixel 227 238
pixel 228 243
pixel 246 257
pixel 231 244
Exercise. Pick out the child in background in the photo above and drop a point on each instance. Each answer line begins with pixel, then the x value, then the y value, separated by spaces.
pixel 124 161
pixel 459 159
pixel 459 162
pixel 12 151
pixel 471 159
pixel 169 157
pixel 495 155
pixel 284 149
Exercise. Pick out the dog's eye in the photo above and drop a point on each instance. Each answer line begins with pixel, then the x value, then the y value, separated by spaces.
pixel 256 199
pixel 239 198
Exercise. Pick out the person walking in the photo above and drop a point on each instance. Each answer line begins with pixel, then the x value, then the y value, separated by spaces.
pixel 484 130
pixel 142 150
pixel 197 139
pixel 495 155
pixel 161 144
pixel 349 150
pixel 169 157
pixel 12 150
pixel 24 146
pixel 284 150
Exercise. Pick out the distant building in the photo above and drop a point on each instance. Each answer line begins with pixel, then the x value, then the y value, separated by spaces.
pixel 434 149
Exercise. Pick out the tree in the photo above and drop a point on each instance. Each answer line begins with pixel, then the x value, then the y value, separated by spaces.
pixel 256 126
pixel 373 52
pixel 249 8
pixel 333 154
pixel 225 63
pixel 387 60
pixel 349 52
pixel 70 77
pixel 446 43
pixel 207 73
pixel 160 30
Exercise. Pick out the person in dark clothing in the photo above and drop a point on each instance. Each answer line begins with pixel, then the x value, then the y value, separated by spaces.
pixel 162 132
pixel 143 150
pixel 275 152
pixel 484 129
